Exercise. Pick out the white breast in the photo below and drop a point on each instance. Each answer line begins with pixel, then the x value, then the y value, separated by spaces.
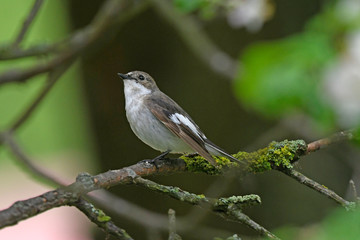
pixel 133 92
pixel 145 125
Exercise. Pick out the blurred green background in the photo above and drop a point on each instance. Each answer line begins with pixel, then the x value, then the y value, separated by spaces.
pixel 297 76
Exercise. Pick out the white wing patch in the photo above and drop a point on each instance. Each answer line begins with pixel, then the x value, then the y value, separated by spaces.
pixel 174 118
pixel 179 118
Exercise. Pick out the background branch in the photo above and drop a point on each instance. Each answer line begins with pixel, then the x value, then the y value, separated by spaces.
pixel 27 23
pixel 172 226
pixel 103 221
pixel 100 27
pixel 36 171
pixel 353 189
pixel 53 76
pixel 9 53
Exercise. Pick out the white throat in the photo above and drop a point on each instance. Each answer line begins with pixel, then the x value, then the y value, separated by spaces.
pixel 134 91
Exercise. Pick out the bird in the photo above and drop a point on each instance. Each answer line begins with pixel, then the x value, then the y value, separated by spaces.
pixel 161 123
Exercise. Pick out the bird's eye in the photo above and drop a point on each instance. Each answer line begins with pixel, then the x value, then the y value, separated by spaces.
pixel 141 77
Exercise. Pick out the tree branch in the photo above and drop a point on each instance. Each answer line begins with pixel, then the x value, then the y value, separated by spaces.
pixel 318 187
pixel 354 192
pixel 236 215
pixel 113 203
pixel 172 226
pixel 85 183
pixel 228 208
pixel 103 221
pixel 53 76
pixel 27 23
pixel 335 138
pixel 149 219
pixel 21 210
pixel 7 138
pixel 9 53
pixel 131 175
pixel 104 21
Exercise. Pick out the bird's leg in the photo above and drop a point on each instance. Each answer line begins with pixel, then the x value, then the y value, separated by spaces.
pixel 191 155
pixel 156 160
pixel 161 156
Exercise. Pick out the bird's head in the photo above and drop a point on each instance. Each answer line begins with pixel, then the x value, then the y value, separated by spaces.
pixel 139 79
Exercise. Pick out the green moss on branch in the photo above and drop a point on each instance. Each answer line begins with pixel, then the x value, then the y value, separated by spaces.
pixel 240 201
pixel 276 155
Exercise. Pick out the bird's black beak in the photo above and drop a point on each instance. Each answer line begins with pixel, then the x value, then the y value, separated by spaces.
pixel 124 76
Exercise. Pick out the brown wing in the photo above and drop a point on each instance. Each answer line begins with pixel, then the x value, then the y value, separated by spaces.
pixel 157 107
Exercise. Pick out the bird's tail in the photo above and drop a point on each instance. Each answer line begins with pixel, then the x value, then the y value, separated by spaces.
pixel 215 150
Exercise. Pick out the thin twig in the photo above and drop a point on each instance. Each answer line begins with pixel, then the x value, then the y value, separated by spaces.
pixel 129 210
pixel 335 138
pixel 17 75
pixel 52 79
pixel 228 208
pixel 172 226
pixel 353 189
pixel 149 219
pixel 236 215
pixel 103 221
pixel 173 192
pixel 317 187
pixel 35 170
pixel 9 53
pixel 26 25
pixel 216 189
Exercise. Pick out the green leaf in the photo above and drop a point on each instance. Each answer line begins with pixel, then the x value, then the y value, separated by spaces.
pixel 189 5
pixel 206 9
pixel 284 76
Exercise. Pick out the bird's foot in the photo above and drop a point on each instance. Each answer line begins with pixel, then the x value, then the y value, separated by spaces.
pixel 156 161
pixel 191 155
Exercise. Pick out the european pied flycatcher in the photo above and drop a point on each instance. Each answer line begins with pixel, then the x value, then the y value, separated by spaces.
pixel 160 122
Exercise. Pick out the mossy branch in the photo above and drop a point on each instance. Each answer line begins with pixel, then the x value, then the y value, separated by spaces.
pixel 278 155
pixel 229 208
